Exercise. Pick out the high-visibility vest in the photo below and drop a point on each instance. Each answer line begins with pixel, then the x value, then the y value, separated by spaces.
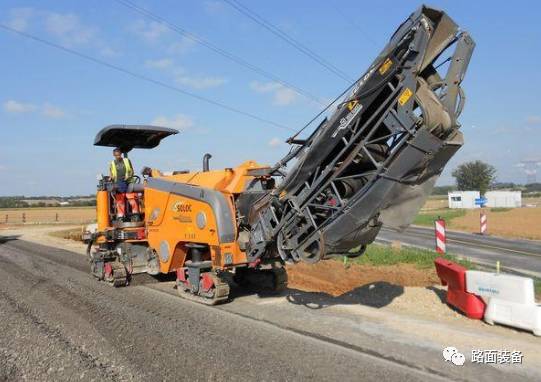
pixel 127 166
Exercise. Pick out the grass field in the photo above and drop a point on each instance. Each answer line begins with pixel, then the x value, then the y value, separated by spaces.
pixel 383 255
pixel 48 215
pixel 427 218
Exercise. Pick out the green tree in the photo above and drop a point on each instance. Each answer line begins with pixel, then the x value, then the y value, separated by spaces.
pixel 475 175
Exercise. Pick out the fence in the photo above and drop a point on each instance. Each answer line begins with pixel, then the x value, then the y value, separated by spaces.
pixel 48 216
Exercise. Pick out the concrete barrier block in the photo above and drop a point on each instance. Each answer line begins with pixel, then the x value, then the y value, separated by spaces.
pixel 453 275
pixel 523 316
pixel 502 286
pixel 510 299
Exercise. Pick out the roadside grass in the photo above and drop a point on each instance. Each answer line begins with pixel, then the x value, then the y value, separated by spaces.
pixel 500 209
pixel 382 255
pixel 427 219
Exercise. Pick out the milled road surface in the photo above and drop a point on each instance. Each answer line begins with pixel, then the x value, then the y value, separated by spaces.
pixel 57 323
pixel 524 256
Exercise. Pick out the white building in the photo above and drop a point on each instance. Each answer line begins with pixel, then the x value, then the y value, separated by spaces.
pixel 463 199
pixel 506 199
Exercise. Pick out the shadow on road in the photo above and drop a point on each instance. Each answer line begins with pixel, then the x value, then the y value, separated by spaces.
pixel 441 293
pixel 375 295
pixel 5 239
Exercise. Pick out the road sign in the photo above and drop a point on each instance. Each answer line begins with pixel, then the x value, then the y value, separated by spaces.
pixel 481 201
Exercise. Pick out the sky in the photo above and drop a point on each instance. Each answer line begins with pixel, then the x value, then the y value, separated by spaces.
pixel 53 103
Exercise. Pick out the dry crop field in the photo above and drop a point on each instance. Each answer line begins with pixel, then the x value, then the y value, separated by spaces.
pixel 48 215
pixel 516 222
pixel 522 222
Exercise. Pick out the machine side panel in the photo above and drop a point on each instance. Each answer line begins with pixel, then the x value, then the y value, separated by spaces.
pixel 183 220
pixel 216 200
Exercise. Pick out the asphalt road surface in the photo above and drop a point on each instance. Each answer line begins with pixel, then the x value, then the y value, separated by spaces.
pixel 57 323
pixel 523 256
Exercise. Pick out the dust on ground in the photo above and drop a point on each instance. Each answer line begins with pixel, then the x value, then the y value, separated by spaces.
pixel 44 234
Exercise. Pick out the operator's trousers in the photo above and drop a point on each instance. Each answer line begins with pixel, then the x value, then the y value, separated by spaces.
pixel 120 202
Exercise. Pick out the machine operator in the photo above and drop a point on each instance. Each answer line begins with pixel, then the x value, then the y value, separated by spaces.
pixel 121 171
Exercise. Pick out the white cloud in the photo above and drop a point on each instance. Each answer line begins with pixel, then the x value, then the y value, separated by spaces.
pixel 284 96
pixel 69 28
pixel 533 120
pixel 181 46
pixel 19 18
pixel 275 142
pixel 47 110
pixel 179 122
pixel 12 106
pixel 200 82
pixel 150 31
pixel 107 51
pixel 265 87
pixel 182 77
pixel 52 111
pixel 281 95
pixel 65 27
pixel 162 63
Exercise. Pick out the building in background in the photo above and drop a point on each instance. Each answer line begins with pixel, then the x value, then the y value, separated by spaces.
pixel 463 199
pixel 505 199
pixel 499 199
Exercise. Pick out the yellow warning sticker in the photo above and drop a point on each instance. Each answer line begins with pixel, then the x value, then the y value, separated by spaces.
pixel 405 96
pixel 385 66
pixel 352 104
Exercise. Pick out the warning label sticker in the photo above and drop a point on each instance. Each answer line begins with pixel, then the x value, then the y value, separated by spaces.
pixel 405 96
pixel 385 66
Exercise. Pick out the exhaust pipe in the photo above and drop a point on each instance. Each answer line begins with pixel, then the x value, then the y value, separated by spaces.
pixel 206 159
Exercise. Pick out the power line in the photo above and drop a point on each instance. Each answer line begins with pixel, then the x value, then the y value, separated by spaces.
pixel 287 38
pixel 144 78
pixel 355 25
pixel 230 56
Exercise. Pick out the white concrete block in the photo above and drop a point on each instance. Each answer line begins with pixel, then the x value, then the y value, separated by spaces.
pixel 510 299
pixel 523 316
pixel 502 286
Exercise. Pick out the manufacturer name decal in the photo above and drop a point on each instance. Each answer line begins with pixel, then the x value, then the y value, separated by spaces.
pixel 182 206
pixel 354 107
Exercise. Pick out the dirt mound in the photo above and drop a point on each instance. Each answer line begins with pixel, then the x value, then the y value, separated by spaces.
pixel 333 278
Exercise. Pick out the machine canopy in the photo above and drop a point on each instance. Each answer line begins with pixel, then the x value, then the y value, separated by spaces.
pixel 127 137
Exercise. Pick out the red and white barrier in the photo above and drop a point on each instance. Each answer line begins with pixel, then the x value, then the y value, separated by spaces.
pixel 483 222
pixel 439 226
pixel 454 276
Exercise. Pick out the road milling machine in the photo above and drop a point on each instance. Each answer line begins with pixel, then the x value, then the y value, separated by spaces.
pixel 372 162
